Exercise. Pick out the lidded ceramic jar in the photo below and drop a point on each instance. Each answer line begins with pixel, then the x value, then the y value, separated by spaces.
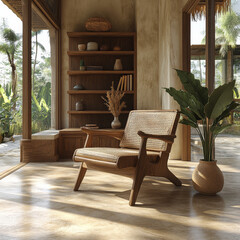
pixel 92 46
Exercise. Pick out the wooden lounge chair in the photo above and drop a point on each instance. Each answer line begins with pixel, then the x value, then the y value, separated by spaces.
pixel 144 149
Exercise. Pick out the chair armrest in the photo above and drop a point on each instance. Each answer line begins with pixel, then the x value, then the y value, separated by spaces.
pixel 118 134
pixel 165 138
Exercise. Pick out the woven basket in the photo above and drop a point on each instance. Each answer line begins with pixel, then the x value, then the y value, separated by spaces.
pixel 98 24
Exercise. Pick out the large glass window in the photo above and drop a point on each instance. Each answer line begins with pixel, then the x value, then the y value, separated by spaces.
pixel 43 73
pixel 227 64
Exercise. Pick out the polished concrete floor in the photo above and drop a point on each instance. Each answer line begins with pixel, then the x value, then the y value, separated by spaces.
pixel 9 154
pixel 37 202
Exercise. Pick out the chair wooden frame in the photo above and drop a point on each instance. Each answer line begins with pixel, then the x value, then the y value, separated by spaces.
pixel 144 166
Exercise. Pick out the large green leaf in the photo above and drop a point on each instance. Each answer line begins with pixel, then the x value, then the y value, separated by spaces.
pixel 188 113
pixel 220 98
pixel 188 122
pixel 187 100
pixel 218 129
pixel 4 96
pixel 193 86
pixel 226 112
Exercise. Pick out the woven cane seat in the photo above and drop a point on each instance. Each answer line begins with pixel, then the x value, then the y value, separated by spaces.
pixel 121 157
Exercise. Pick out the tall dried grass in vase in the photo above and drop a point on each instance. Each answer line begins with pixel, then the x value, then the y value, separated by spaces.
pixel 114 104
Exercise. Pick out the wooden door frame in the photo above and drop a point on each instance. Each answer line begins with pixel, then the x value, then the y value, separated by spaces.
pixel 27 27
pixel 186 60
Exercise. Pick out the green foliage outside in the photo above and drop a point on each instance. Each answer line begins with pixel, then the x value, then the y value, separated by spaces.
pixel 6 115
pixel 227 33
pixel 11 88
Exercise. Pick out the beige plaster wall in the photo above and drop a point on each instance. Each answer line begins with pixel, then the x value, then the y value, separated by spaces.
pixel 159 32
pixel 121 13
pixel 148 38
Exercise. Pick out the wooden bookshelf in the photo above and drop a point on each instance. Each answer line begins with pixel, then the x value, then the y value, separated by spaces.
pixel 97 53
pixel 77 72
pixel 94 112
pixel 97 83
pixel 93 92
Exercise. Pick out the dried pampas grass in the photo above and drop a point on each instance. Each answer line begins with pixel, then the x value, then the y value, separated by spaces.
pixel 113 101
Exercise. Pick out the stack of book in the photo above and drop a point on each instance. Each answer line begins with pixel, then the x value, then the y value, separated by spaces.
pixel 125 83
pixel 91 126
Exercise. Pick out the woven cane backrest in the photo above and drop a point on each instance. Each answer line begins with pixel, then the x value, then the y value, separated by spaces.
pixel 150 122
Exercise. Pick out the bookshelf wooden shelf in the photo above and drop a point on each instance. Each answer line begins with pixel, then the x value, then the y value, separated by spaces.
pixel 97 82
pixel 93 92
pixel 94 112
pixel 77 72
pixel 91 53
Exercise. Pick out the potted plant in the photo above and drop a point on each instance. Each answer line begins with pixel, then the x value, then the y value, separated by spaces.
pixel 205 112
pixel 114 104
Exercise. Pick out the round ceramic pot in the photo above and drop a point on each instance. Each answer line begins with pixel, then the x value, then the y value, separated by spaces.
pixel 82 47
pixel 79 106
pixel 207 178
pixel 116 123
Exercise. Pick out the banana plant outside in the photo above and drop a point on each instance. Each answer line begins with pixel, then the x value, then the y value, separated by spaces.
pixel 198 108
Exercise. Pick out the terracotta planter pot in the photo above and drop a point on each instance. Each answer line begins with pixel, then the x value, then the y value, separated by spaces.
pixel 207 178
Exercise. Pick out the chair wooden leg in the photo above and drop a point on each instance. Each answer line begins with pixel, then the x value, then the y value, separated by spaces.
pixel 81 174
pixel 172 178
pixel 137 182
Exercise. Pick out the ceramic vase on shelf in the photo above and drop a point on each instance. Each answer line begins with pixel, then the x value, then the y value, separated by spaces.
pixel 79 105
pixel 207 178
pixel 116 123
pixel 118 65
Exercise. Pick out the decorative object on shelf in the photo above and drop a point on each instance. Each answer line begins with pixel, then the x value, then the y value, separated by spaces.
pixel 125 83
pixel 98 24
pixel 94 68
pixel 82 47
pixel 114 104
pixel 104 47
pixel 115 124
pixel 118 65
pixel 78 87
pixel 80 105
pixel 91 126
pixel 116 48
pixel 92 46
pixel 82 65
pixel 205 113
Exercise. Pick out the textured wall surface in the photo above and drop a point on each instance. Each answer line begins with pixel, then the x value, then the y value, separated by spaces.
pixel 148 38
pixel 121 13
pixel 159 32
pixel 170 51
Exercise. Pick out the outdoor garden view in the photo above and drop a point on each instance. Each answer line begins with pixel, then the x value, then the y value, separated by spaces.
pixel 11 76
pixel 227 59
